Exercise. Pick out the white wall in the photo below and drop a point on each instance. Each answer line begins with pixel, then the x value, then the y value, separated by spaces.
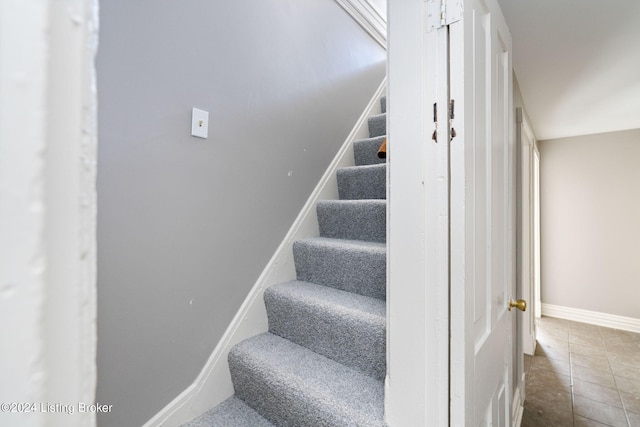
pixel 47 211
pixel 590 230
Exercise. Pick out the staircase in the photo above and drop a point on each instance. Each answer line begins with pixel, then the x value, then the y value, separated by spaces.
pixel 323 361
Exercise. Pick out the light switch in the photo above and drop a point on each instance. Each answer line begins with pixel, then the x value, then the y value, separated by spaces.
pixel 200 123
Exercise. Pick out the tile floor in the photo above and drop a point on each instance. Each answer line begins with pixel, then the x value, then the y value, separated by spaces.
pixel 582 375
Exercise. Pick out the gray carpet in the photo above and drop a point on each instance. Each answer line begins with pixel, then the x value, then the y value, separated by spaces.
pixel 323 361
pixel 233 412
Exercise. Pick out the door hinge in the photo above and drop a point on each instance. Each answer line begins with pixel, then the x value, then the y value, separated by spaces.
pixel 443 12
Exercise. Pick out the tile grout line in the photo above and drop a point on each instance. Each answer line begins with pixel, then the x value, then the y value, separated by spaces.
pixel 606 351
pixel 573 409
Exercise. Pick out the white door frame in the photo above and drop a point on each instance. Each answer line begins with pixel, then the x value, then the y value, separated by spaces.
pixel 526 143
pixel 48 140
pixel 537 300
pixel 417 382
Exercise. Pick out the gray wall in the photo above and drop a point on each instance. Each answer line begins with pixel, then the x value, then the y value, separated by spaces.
pixel 590 228
pixel 186 225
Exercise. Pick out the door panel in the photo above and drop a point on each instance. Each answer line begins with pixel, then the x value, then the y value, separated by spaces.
pixel 482 218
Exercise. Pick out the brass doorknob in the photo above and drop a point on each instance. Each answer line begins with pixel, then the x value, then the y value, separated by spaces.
pixel 520 304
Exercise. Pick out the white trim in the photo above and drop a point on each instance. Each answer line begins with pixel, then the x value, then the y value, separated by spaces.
pixel 417 381
pixel 213 384
pixel 368 17
pixel 517 421
pixel 525 141
pixel 592 317
pixel 48 141
pixel 518 408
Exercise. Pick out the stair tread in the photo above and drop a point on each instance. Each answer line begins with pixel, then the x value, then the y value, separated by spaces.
pixel 296 383
pixel 343 326
pixel 354 245
pixel 233 412
pixel 362 202
pixel 358 168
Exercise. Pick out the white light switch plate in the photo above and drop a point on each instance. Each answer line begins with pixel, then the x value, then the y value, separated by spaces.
pixel 199 123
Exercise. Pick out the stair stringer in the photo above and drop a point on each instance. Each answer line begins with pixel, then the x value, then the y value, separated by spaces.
pixel 213 385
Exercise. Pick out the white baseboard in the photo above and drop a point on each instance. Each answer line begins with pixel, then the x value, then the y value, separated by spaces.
pixel 213 384
pixel 592 317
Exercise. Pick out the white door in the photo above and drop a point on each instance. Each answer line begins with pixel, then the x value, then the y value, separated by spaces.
pixel 483 369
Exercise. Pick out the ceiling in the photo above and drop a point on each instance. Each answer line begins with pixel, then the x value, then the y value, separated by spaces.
pixel 577 63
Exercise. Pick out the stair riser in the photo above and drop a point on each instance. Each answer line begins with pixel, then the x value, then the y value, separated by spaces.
pixel 353 339
pixel 362 183
pixel 378 125
pixel 365 151
pixel 362 220
pixel 360 272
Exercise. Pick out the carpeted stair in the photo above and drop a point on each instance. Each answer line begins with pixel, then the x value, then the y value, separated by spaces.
pixel 323 361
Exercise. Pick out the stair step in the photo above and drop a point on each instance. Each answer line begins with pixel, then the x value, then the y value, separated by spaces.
pixel 378 125
pixel 383 104
pixel 342 326
pixel 353 219
pixel 233 412
pixel 365 151
pixel 362 182
pixel 293 386
pixel 349 265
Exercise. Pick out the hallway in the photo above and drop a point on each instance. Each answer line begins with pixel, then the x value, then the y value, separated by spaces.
pixel 582 375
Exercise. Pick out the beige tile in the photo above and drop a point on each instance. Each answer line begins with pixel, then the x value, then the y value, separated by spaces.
pixel 596 392
pixel 596 363
pixel 553 350
pixel 550 407
pixel 544 380
pixel 631 402
pixel 624 355
pixel 622 346
pixel 576 327
pixel 609 334
pixel 557 334
pixel 587 340
pixel 558 366
pixel 625 371
pixel 551 398
pixel 596 377
pixel 634 419
pixel 579 421
pixel 527 363
pixel 587 350
pixel 545 417
pixel 552 322
pixel 601 412
pixel 553 342
pixel 628 385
